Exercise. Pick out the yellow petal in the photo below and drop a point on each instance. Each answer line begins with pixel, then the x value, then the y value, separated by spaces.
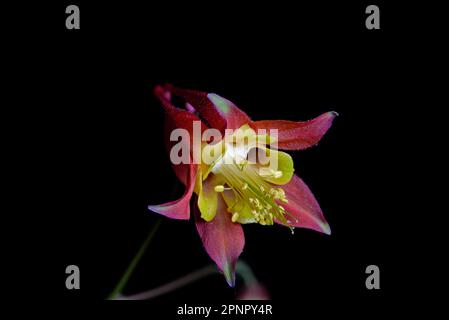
pixel 243 209
pixel 207 198
pixel 283 172
pixel 211 153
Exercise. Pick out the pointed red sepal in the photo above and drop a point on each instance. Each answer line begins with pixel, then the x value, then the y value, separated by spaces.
pixel 218 112
pixel 222 239
pixel 302 205
pixel 298 135
pixel 179 209
pixel 179 118
pixel 176 118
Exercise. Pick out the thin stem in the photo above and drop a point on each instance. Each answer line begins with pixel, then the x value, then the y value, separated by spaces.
pixel 173 285
pixel 243 270
pixel 129 271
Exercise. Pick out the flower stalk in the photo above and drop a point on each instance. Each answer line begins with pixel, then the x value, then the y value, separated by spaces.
pixel 132 266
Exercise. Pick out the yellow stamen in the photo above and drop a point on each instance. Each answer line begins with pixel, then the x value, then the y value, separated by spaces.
pixel 252 185
pixel 278 174
pixel 221 188
pixel 266 172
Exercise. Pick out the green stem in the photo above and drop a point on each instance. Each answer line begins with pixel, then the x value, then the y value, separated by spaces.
pixel 173 285
pixel 129 271
pixel 243 270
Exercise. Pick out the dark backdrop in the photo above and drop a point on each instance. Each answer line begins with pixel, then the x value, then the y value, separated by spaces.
pixel 102 157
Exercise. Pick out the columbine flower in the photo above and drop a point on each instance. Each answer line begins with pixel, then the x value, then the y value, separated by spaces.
pixel 230 190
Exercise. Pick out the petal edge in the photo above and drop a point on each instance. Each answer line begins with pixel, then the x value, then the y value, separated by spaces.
pixel 298 135
pixel 222 239
pixel 303 206
pixel 179 209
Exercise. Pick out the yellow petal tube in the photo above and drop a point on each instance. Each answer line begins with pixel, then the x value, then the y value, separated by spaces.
pixel 280 174
pixel 249 186
pixel 242 208
pixel 207 197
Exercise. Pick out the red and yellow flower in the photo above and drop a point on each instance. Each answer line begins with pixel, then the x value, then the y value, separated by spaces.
pixel 230 190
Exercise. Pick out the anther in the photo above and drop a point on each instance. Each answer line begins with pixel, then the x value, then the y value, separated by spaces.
pixel 220 188
pixel 278 174
pixel 235 217
pixel 266 172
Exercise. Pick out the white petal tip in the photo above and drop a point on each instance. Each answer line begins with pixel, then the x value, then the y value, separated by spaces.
pixel 326 229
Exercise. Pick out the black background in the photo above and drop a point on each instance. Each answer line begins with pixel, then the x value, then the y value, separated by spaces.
pixel 99 157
